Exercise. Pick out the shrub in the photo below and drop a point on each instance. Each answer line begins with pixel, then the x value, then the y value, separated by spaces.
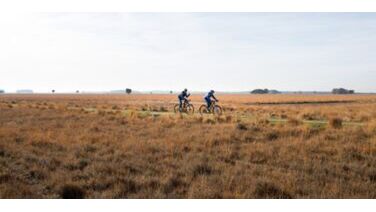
pixel 200 119
pixel 312 115
pixel 271 136
pixel 372 175
pixel 220 119
pixel 83 163
pixel 311 131
pixel 123 121
pixel 336 123
pixel 263 121
pixel 265 190
pixel 37 174
pixel 144 108
pixel 163 109
pixel 294 121
pixel 128 187
pixel 4 178
pixel 72 192
pixel 202 169
pixel 101 112
pixel 210 121
pixel 241 126
pixel 228 119
pixel 172 184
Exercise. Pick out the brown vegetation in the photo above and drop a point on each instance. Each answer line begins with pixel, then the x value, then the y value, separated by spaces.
pixel 132 146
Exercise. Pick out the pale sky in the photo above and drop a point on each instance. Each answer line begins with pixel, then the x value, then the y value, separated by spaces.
pixel 198 51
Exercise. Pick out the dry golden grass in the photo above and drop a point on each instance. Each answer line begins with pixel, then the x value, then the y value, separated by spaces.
pixel 132 146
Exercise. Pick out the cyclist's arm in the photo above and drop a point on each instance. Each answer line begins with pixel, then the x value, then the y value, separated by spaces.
pixel 186 97
pixel 215 98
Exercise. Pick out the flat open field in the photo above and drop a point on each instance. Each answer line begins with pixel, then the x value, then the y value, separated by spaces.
pixel 134 146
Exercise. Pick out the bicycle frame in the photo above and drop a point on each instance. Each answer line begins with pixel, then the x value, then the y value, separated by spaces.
pixel 212 105
pixel 185 103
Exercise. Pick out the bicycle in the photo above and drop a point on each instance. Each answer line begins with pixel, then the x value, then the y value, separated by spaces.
pixel 214 109
pixel 187 107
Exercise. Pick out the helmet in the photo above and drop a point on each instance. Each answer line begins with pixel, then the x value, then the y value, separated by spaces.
pixel 212 91
pixel 185 89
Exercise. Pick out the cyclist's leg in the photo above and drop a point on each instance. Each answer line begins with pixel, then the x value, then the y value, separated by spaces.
pixel 180 104
pixel 208 103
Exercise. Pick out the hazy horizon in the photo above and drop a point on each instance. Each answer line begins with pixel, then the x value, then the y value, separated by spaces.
pixel 198 51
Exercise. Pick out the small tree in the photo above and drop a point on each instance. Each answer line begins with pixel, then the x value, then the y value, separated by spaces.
pixel 53 91
pixel 128 91
pixel 77 91
pixel 260 91
pixel 342 91
pixel 2 91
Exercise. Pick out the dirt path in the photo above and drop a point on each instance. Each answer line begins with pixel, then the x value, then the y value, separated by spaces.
pixel 242 117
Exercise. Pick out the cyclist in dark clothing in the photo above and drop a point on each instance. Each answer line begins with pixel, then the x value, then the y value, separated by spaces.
pixel 208 98
pixel 183 96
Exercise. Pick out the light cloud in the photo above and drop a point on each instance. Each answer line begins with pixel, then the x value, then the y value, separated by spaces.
pixel 201 51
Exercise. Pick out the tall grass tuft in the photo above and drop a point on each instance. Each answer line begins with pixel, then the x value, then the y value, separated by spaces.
pixel 72 192
pixel 336 123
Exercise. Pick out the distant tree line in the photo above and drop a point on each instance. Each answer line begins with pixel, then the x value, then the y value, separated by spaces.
pixel 264 91
pixel 342 91
pixel 2 91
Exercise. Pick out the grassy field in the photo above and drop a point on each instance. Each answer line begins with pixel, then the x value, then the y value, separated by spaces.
pixel 134 146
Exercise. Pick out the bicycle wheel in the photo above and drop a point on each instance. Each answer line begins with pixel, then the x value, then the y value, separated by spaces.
pixel 203 109
pixel 176 108
pixel 190 109
pixel 217 110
